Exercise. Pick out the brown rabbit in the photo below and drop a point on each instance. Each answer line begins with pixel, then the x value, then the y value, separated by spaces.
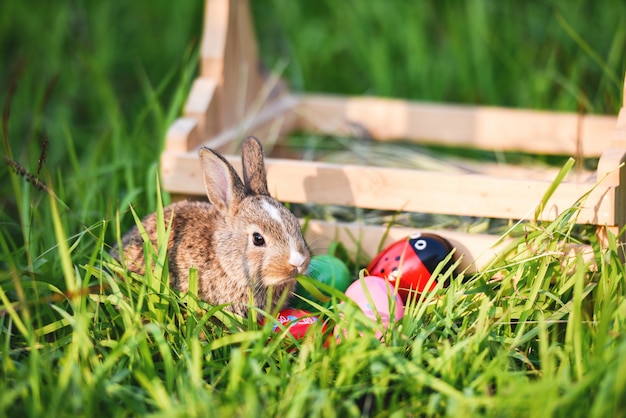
pixel 243 243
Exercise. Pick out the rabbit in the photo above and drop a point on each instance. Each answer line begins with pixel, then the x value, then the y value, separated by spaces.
pixel 243 243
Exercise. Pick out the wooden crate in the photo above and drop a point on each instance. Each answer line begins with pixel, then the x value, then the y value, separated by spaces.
pixel 231 99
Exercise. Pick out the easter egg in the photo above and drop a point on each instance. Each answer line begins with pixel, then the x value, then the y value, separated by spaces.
pixel 376 297
pixel 326 269
pixel 297 321
pixel 412 261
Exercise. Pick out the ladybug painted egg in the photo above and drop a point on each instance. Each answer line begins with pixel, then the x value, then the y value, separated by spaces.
pixel 375 295
pixel 297 321
pixel 326 269
pixel 412 262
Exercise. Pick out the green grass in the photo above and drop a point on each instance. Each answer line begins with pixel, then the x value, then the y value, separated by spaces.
pixel 532 335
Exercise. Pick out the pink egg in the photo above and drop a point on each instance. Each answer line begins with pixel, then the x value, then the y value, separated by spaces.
pixel 380 292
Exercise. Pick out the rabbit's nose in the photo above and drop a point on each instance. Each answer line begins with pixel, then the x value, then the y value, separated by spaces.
pixel 297 260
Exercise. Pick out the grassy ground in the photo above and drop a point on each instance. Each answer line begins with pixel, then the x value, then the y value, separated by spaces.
pixel 89 90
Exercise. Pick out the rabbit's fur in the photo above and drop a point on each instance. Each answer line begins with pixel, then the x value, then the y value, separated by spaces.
pixel 244 243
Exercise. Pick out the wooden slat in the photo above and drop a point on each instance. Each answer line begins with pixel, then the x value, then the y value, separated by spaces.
pixel 406 190
pixel 619 134
pixel 203 105
pixel 610 165
pixel 212 49
pixel 475 250
pixel 182 135
pixel 229 59
pixel 241 81
pixel 612 158
pixel 488 128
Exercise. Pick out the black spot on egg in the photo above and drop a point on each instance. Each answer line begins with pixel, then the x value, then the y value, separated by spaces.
pixel 433 253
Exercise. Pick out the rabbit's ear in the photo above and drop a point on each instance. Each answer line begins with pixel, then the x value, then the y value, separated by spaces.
pixel 254 176
pixel 223 186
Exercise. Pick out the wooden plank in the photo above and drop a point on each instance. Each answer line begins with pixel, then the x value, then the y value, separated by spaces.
pixel 476 251
pixel 407 190
pixel 609 165
pixel 240 81
pixel 213 46
pixel 488 128
pixel 203 105
pixel 183 133
pixel 229 59
pixel 619 134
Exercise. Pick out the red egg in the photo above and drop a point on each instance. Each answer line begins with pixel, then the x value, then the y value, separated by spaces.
pixel 297 321
pixel 412 261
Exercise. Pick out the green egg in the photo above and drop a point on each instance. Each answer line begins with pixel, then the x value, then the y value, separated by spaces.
pixel 326 269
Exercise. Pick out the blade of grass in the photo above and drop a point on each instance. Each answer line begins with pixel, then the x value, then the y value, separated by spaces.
pixel 558 179
pixel 587 49
pixel 63 248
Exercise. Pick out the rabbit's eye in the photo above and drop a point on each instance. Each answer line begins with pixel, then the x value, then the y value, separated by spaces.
pixel 258 240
